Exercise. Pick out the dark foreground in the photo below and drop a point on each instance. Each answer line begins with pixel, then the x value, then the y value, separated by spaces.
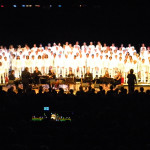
pixel 114 121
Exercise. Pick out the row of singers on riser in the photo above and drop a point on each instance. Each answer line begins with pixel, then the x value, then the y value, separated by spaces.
pixel 70 62
pixel 120 65
pixel 79 63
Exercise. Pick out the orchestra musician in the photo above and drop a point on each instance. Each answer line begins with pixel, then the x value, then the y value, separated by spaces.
pixel 52 74
pixel 13 79
pixel 117 78
pixel 106 75
pixel 106 79
pixel 36 75
pixel 52 77
pixel 70 75
pixel 70 80
pixel 88 77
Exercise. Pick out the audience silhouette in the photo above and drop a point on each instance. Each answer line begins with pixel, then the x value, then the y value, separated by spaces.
pixel 102 120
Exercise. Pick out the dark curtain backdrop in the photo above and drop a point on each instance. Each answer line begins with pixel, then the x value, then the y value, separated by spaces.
pixel 109 24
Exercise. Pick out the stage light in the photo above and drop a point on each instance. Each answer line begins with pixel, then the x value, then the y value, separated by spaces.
pixel 37 5
pixel 28 5
pixel 23 5
pixel 2 6
pixel 15 6
pixel 50 6
pixel 59 6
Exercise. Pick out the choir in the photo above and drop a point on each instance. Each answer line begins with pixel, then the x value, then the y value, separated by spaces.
pixel 96 58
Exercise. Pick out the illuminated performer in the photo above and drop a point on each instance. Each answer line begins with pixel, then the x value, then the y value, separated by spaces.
pixel 2 72
pixel 36 76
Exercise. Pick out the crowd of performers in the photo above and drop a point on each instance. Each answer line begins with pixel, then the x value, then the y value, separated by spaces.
pixel 79 58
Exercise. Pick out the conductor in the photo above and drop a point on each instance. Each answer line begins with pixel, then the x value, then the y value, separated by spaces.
pixel 131 81
pixel 25 79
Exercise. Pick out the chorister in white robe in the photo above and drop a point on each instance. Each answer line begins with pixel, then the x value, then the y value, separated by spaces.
pixel 144 70
pixel 6 65
pixel 81 64
pixel 2 71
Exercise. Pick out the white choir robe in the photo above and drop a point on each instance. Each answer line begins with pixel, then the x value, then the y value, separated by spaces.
pixel 149 72
pixel 111 68
pixel 135 68
pixel 81 63
pixel 104 48
pixel 98 47
pixel 13 63
pixel 23 63
pixel 67 50
pixel 2 77
pixel 92 67
pixel 33 62
pixel 51 58
pixel 46 52
pixel 106 62
pixel 6 67
pixel 29 65
pixel 115 66
pixel 113 48
pixel 129 49
pixel 34 49
pixel 67 64
pixel 41 48
pixel 125 71
pixel 130 65
pixel 91 47
pixel 83 47
pixel 59 64
pixel 47 65
pixel 100 66
pixel 87 62
pixel 74 66
pixel 60 50
pixel 142 49
pixel 39 64
pixel 43 66
pixel 139 66
pixel 144 70
pixel 120 65
pixel 97 66
pixel 18 68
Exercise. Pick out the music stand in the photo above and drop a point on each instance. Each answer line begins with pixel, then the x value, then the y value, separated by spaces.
pixel 69 81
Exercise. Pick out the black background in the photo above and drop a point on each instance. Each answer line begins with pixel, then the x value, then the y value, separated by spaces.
pixel 105 21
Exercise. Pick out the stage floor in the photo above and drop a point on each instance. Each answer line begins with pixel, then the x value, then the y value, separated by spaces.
pixel 77 85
